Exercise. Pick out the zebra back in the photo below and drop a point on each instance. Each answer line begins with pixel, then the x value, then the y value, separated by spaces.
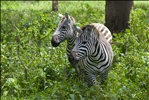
pixel 102 29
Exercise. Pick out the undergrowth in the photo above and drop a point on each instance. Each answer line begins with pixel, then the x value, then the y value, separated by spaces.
pixel 32 69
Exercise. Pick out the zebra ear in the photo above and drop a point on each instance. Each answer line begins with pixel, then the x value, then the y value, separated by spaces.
pixel 66 14
pixel 79 31
pixel 88 30
pixel 60 16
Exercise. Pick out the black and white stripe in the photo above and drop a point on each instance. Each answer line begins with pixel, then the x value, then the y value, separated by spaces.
pixel 67 30
pixel 93 54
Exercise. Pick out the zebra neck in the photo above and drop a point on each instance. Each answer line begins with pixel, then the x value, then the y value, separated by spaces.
pixel 70 43
pixel 97 52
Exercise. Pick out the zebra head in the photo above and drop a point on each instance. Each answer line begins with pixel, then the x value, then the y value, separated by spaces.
pixel 84 45
pixel 64 31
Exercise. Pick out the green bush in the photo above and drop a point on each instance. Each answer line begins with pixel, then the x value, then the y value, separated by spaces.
pixel 32 69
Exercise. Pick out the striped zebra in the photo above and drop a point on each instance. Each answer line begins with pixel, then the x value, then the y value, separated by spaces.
pixel 67 30
pixel 93 54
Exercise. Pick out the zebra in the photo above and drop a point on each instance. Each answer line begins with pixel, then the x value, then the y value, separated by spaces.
pixel 93 54
pixel 67 30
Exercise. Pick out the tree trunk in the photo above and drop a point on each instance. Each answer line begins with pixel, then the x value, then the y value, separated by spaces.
pixel 55 5
pixel 117 15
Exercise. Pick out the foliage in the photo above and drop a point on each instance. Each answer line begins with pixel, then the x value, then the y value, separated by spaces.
pixel 32 69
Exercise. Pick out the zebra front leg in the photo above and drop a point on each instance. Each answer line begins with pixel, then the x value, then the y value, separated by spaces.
pixel 77 70
pixel 90 79
pixel 103 76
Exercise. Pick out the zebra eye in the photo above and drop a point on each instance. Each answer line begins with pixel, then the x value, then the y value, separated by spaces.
pixel 84 42
pixel 63 27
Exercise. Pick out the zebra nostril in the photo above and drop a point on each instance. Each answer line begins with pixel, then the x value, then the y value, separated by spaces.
pixel 71 57
pixel 55 38
pixel 55 42
pixel 74 54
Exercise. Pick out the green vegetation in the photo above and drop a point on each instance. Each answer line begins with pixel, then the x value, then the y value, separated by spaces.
pixel 31 69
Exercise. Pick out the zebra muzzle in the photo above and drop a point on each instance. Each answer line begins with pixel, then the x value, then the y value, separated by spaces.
pixel 72 58
pixel 55 42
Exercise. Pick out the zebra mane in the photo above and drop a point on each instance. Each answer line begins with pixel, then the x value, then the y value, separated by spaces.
pixel 96 33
